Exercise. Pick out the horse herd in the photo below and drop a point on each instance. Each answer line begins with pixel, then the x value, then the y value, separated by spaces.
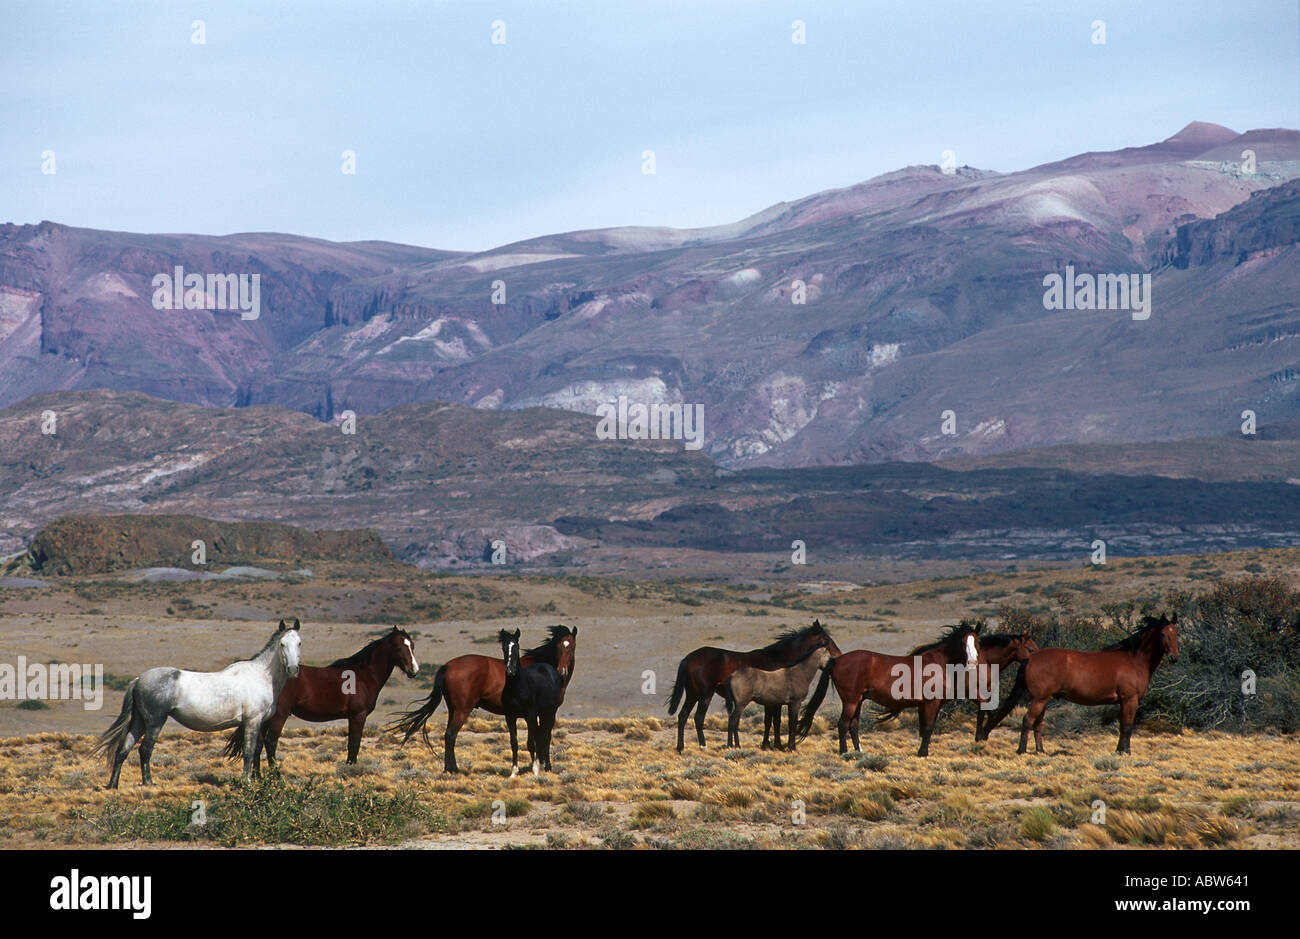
pixel 255 697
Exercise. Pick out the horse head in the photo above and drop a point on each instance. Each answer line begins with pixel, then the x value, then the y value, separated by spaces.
pixel 822 638
pixel 1025 646
pixel 969 638
pixel 565 641
pixel 405 649
pixel 510 651
pixel 1169 636
pixel 290 647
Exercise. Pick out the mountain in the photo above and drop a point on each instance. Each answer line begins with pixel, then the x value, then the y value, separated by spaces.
pixel 923 289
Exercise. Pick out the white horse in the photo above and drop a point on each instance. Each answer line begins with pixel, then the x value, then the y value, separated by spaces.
pixel 240 695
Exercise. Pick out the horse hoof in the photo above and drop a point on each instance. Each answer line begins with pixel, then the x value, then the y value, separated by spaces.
pixel 514 771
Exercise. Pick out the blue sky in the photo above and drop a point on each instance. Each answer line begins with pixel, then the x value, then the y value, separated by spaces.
pixel 467 145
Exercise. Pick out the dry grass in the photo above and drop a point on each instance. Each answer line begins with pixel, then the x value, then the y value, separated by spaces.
pixel 620 783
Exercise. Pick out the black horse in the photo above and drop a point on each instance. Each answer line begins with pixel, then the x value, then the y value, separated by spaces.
pixel 534 693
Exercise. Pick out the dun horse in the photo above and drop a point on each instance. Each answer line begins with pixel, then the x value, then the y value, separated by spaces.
pixel 889 681
pixel 240 695
pixel 1118 674
pixel 346 689
pixel 773 688
pixel 533 692
pixel 704 672
pixel 470 681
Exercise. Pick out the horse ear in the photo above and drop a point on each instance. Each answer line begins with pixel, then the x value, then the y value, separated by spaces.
pixel 516 635
pixel 282 626
pixel 297 625
pixel 574 632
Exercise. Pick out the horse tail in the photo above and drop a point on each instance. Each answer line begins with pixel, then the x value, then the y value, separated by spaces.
pixel 1018 691
pixel 235 745
pixel 111 740
pixel 418 719
pixel 810 709
pixel 884 716
pixel 679 688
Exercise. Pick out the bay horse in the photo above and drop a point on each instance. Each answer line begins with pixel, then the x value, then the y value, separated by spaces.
pixel 704 673
pixel 240 695
pixel 1118 674
pixel 533 692
pixel 1001 649
pixel 888 680
pixel 346 689
pixel 470 681
pixel 773 688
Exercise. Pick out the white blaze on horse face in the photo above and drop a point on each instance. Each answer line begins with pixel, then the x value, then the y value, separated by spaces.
pixel 292 644
pixel 415 666
pixel 972 653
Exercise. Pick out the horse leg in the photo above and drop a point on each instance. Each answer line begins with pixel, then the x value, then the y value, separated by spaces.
pixel 356 727
pixel 514 746
pixel 1034 719
pixel 682 716
pixel 1127 713
pixel 146 751
pixel 124 750
pixel 979 717
pixel 547 725
pixel 734 709
pixel 853 728
pixel 927 714
pixel 792 714
pixel 534 735
pixel 455 721
pixel 700 711
pixel 252 748
pixel 271 736
pixel 767 730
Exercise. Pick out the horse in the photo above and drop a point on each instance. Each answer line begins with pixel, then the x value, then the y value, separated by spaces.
pixel 773 688
pixel 1118 674
pixel 889 681
pixel 242 695
pixel 533 692
pixel 470 681
pixel 346 689
pixel 704 673
pixel 1000 649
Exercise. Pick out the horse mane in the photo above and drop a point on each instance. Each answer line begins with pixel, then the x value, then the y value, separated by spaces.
pixel 998 640
pixel 269 643
pixel 809 654
pixel 790 636
pixel 1134 639
pixel 546 651
pixel 360 657
pixel 951 633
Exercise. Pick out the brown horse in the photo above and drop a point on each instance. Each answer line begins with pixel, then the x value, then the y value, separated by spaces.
pixel 470 681
pixel 704 673
pixel 1118 674
pixel 1000 649
pixel 894 682
pixel 346 689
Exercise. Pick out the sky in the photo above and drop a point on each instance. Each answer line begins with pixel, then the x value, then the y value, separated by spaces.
pixel 466 144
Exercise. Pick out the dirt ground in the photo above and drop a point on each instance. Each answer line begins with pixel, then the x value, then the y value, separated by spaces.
pixel 617 780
